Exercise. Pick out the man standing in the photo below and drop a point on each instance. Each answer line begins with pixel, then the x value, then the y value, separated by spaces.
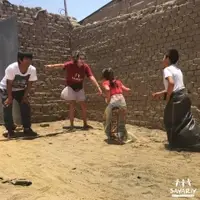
pixel 76 69
pixel 16 84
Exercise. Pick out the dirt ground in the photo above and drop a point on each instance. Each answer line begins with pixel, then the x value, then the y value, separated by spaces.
pixel 82 166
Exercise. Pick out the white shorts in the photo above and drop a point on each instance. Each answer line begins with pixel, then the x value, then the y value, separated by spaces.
pixel 69 94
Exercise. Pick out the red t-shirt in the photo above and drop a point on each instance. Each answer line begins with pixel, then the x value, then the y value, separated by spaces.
pixel 75 74
pixel 114 90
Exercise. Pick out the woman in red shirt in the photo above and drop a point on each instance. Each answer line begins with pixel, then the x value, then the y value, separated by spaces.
pixel 76 71
pixel 115 99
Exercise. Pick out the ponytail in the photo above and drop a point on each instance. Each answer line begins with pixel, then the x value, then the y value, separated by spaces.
pixel 108 74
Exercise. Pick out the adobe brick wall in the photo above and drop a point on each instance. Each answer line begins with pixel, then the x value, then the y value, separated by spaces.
pixel 48 37
pixel 119 7
pixel 134 45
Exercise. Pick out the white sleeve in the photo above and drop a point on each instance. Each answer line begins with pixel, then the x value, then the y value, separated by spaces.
pixel 167 73
pixel 33 76
pixel 9 73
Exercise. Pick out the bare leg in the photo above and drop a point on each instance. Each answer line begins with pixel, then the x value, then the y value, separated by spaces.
pixel 84 113
pixel 71 113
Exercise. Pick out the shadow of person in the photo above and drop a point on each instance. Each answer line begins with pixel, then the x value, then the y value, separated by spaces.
pixel 194 148
pixel 20 135
pixel 113 142
pixel 69 128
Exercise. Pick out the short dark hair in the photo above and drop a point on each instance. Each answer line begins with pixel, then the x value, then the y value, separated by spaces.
pixel 22 55
pixel 77 54
pixel 173 56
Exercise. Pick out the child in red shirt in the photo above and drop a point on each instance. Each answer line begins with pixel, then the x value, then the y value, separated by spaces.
pixel 115 99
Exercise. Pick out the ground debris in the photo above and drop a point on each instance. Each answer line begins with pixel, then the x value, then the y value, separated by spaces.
pixel 21 182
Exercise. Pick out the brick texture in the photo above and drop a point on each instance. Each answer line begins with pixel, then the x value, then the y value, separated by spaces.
pixel 48 37
pixel 134 45
pixel 120 7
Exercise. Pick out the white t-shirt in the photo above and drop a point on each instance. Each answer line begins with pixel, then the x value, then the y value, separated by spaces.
pixel 177 76
pixel 20 80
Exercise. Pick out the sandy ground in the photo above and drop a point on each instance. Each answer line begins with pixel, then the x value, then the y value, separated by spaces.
pixel 81 166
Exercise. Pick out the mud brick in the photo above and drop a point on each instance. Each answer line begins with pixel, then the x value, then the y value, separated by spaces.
pixel 129 37
pixel 33 37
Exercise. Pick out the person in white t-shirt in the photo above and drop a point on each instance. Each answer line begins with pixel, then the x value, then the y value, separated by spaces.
pixel 182 130
pixel 172 77
pixel 16 84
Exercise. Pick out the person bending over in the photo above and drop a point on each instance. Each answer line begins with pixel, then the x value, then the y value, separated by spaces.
pixel 17 84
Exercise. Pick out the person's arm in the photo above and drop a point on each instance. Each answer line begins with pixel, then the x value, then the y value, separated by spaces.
pixel 159 93
pixel 9 89
pixel 9 75
pixel 107 93
pixel 32 79
pixel 90 75
pixel 61 65
pixel 170 87
pixel 168 76
pixel 124 88
pixel 108 96
pixel 94 81
pixel 27 90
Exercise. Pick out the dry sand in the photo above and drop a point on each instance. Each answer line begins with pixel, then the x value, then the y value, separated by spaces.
pixel 81 166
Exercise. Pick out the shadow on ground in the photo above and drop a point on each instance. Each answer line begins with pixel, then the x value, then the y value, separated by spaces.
pixel 195 148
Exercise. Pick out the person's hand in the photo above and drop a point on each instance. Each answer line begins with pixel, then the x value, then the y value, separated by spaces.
pixel 8 101
pixel 100 91
pixel 167 99
pixel 156 95
pixel 47 66
pixel 25 100
pixel 128 92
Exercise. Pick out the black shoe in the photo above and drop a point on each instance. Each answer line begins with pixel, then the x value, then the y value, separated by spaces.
pixel 9 134
pixel 29 132
pixel 14 127
pixel 87 127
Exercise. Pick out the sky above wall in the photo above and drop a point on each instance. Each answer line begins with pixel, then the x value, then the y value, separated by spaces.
pixel 76 8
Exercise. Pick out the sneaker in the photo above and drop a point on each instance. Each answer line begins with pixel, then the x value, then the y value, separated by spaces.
pixel 9 134
pixel 29 132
